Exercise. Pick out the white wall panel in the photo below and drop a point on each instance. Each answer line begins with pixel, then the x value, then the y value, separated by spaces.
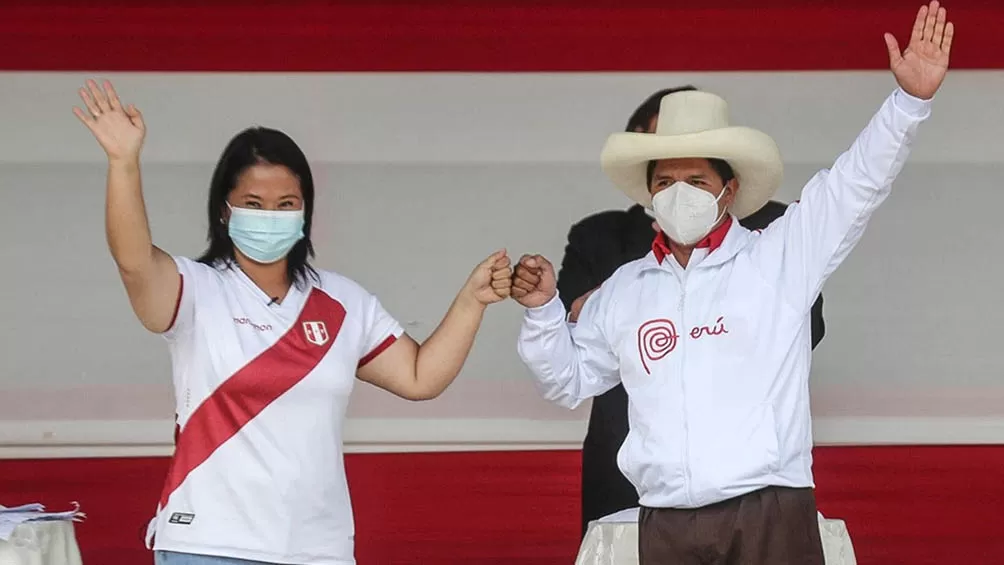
pixel 419 177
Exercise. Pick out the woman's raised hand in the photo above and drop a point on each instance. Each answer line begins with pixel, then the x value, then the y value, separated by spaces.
pixel 119 129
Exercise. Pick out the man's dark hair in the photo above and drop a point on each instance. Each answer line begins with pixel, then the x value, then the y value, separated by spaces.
pixel 650 107
pixel 720 166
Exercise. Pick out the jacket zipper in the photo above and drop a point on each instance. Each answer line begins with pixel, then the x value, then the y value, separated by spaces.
pixel 683 390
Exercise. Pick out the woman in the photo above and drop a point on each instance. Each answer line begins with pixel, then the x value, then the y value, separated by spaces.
pixel 264 350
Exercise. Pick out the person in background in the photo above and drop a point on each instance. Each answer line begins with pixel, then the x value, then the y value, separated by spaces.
pixel 597 246
pixel 265 350
pixel 709 332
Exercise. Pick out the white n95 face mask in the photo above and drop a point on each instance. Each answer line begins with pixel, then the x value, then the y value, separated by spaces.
pixel 686 213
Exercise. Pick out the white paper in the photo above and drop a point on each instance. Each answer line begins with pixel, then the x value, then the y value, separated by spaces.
pixel 11 518
pixel 33 507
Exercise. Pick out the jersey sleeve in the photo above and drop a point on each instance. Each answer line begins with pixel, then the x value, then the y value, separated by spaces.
pixel 184 308
pixel 380 329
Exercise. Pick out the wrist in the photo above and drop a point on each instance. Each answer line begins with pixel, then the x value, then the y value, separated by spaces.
pixel 469 303
pixel 126 163
pixel 550 299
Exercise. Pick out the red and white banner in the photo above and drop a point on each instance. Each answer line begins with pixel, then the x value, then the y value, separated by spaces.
pixel 488 36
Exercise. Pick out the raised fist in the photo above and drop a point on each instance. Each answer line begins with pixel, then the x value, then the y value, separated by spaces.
pixel 533 282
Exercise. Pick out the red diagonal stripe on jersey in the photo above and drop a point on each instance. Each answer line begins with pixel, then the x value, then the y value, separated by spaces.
pixel 248 391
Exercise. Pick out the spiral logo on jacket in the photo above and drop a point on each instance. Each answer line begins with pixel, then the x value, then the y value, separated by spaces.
pixel 656 339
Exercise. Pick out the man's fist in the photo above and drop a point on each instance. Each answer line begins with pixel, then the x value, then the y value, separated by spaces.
pixel 533 282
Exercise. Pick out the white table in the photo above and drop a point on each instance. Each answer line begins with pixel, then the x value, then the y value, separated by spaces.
pixel 41 543
pixel 613 540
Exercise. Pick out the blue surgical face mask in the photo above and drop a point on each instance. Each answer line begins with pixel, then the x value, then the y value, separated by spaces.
pixel 265 236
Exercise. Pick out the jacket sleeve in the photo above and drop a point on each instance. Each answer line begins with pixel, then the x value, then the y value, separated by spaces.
pixel 577 274
pixel 815 235
pixel 760 220
pixel 570 362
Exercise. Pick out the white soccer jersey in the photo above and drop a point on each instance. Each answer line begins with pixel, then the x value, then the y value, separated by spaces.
pixel 262 390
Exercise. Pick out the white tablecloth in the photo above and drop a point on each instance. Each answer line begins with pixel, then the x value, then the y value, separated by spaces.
pixel 41 543
pixel 613 540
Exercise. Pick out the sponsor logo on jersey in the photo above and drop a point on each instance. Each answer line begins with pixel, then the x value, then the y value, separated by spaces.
pixel 242 321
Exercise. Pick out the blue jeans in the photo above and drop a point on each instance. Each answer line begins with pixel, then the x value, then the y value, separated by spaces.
pixel 175 558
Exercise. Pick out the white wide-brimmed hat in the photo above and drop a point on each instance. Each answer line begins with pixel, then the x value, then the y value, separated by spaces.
pixel 696 124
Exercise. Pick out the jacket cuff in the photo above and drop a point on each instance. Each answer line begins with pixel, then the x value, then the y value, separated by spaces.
pixel 553 311
pixel 911 105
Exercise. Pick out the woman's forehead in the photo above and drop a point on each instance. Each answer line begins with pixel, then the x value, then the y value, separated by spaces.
pixel 267 180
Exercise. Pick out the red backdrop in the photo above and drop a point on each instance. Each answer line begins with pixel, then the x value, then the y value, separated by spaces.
pixel 903 505
pixel 489 35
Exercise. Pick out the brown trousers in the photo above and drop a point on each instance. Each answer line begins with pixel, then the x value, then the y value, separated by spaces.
pixel 771 526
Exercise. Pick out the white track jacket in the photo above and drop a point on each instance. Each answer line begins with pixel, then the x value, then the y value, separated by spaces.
pixel 715 357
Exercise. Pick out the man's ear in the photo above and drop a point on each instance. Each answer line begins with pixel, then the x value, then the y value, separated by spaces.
pixel 733 188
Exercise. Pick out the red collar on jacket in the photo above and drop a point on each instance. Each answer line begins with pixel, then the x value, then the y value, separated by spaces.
pixel 661 246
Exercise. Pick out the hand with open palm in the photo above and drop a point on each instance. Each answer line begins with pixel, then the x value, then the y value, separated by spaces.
pixel 921 68
pixel 120 130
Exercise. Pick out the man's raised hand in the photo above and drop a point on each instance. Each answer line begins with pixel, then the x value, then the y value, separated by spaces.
pixel 921 68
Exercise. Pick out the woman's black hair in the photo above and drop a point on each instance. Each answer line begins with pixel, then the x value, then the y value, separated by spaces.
pixel 250 147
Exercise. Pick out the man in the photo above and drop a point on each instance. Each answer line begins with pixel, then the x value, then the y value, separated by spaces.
pixel 598 246
pixel 709 332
